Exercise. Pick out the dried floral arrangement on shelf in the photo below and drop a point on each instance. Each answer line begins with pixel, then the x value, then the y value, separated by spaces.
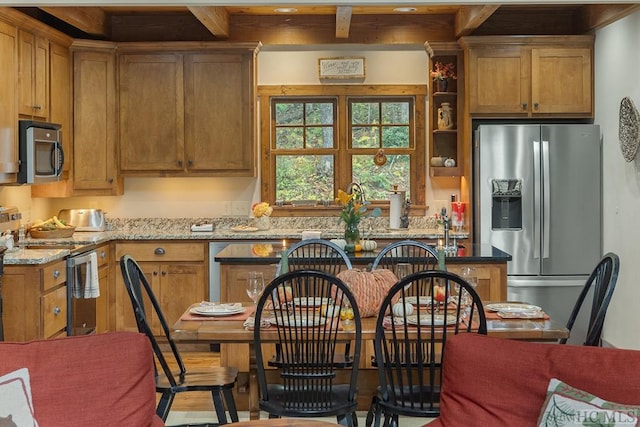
pixel 444 71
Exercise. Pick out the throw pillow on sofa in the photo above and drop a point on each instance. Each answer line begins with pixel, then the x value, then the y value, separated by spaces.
pixel 369 288
pixel 568 406
pixel 15 399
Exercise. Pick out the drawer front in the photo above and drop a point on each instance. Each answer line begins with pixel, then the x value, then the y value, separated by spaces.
pixel 103 255
pixel 162 251
pixel 54 311
pixel 54 275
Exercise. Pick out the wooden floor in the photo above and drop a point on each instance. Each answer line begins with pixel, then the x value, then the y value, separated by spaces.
pixel 200 359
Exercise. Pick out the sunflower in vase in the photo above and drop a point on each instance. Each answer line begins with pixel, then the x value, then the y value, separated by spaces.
pixel 352 212
pixel 262 213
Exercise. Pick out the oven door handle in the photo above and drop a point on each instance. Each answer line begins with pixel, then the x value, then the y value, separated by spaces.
pixel 80 259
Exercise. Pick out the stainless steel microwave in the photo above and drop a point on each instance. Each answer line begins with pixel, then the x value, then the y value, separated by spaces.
pixel 40 151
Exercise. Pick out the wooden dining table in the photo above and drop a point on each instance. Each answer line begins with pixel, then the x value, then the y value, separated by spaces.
pixel 233 332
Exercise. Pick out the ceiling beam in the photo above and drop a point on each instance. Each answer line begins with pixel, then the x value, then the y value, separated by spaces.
pixel 91 20
pixel 595 16
pixel 469 18
pixel 216 19
pixel 343 21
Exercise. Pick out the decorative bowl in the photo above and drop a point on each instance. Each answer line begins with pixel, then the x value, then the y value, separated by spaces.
pixel 52 234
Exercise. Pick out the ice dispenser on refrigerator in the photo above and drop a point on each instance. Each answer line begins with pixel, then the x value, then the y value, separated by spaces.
pixel 506 204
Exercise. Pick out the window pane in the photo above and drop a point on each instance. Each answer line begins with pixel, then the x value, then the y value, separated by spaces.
pixel 288 114
pixel 395 113
pixel 304 177
pixel 319 137
pixel 395 136
pixel 377 181
pixel 365 113
pixel 290 138
pixel 365 137
pixel 319 113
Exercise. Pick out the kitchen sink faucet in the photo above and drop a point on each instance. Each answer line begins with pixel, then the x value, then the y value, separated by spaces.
pixel 358 188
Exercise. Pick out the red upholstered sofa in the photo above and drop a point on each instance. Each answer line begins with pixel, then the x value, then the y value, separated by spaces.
pixel 497 382
pixel 91 380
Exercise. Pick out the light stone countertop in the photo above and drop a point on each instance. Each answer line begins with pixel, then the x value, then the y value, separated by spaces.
pixel 140 229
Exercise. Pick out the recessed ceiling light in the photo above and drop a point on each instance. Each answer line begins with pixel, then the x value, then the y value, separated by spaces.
pixel 405 9
pixel 285 10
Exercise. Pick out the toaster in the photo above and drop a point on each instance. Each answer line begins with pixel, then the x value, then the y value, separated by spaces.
pixel 84 219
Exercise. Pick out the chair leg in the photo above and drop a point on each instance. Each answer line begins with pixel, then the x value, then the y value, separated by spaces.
pixel 231 404
pixel 373 410
pixel 345 420
pixel 218 404
pixel 164 406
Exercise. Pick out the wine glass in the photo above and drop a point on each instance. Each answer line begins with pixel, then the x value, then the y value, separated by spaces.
pixel 469 275
pixel 255 285
pixel 403 269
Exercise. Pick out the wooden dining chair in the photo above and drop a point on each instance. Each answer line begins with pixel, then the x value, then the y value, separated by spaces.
pixel 317 254
pixel 419 256
pixel 218 381
pixel 411 336
pixel 603 282
pixel 307 381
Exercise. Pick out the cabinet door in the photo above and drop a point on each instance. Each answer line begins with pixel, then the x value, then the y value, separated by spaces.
pixel 34 75
pixel 94 157
pixel 561 80
pixel 499 80
pixel 219 125
pixel 181 284
pixel 151 112
pixel 125 320
pixel 105 303
pixel 8 105
pixel 60 103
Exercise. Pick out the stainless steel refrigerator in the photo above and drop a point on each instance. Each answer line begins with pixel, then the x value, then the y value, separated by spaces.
pixel 538 197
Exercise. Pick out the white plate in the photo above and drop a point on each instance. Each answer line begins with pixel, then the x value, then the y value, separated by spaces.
pixel 310 301
pixel 244 228
pixel 216 311
pixel 299 322
pixel 512 307
pixel 419 300
pixel 425 319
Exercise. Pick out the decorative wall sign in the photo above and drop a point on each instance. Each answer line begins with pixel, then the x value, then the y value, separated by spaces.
pixel 341 68
pixel 629 129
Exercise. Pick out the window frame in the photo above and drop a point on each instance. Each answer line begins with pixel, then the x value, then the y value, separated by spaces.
pixel 342 164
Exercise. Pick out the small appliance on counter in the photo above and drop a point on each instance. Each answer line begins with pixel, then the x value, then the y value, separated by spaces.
pixel 9 224
pixel 84 219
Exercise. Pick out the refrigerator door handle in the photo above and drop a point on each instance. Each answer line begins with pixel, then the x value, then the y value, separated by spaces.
pixel 536 195
pixel 546 193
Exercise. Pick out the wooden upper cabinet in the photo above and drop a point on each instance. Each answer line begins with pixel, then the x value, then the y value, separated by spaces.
pixel 219 99
pixel 61 102
pixel 530 76
pixel 187 110
pixel 151 112
pixel 95 170
pixel 33 52
pixel 8 103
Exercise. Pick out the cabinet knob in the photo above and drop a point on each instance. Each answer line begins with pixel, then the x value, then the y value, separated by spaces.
pixel 190 162
pixel 535 105
pixel 56 310
pixel 103 254
pixel 164 273
pixel 179 162
pixel 155 273
pixel 524 106
pixel 37 107
pixel 56 274
pixel 159 251
pixel 110 180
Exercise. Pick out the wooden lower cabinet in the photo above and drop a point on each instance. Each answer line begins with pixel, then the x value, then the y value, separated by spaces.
pixel 34 301
pixel 492 280
pixel 177 273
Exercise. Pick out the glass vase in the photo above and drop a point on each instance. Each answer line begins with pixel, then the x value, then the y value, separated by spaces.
pixel 351 236
pixel 442 84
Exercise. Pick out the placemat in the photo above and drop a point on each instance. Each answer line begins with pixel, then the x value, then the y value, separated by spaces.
pixel 240 316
